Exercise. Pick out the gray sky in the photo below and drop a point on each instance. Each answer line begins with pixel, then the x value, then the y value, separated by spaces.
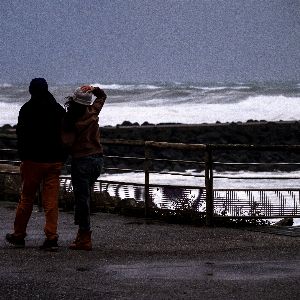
pixel 75 41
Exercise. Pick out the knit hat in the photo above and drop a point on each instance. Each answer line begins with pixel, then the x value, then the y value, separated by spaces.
pixel 38 86
pixel 81 97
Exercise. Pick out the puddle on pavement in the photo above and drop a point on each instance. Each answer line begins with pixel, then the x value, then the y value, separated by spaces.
pixel 258 270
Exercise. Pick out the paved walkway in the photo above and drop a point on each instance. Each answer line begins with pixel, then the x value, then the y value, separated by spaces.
pixel 146 259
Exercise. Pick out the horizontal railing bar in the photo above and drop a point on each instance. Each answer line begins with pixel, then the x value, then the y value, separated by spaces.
pixel 123 170
pixel 8 150
pixel 9 162
pixel 122 142
pixel 154 172
pixel 179 146
pixel 259 190
pixel 221 146
pixel 257 217
pixel 256 164
pixel 253 147
pixel 175 173
pixel 9 172
pixel 177 160
pixel 166 210
pixel 257 177
pixel 154 159
pixel 140 184
pixel 124 157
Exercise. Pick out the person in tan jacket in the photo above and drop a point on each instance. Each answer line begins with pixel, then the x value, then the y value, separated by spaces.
pixel 81 134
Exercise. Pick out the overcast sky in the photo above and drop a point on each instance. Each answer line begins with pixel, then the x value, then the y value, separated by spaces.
pixel 72 41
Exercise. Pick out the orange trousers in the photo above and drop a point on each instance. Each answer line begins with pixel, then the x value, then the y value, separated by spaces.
pixel 33 174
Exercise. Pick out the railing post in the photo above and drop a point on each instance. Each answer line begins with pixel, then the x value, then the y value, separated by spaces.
pixel 147 180
pixel 209 187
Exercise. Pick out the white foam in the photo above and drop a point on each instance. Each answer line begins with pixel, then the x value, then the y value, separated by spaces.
pixel 5 85
pixel 9 113
pixel 269 108
pixel 125 86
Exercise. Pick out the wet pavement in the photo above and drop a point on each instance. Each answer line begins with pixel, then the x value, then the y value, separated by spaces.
pixel 148 259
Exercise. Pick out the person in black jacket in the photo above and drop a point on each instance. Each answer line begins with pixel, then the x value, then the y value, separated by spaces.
pixel 41 152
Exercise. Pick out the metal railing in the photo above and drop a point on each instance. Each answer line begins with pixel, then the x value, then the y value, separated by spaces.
pixel 214 202
pixel 224 203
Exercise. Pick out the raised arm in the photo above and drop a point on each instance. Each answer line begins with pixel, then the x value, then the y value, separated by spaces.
pixel 100 98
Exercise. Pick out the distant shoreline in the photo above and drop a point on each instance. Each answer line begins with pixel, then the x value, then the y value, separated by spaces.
pixel 249 122
pixel 124 124
pixel 8 129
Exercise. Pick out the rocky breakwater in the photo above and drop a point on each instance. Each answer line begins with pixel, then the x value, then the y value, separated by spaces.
pixel 8 142
pixel 249 133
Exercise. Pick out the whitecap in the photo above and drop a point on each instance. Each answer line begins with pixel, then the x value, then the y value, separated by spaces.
pixel 126 87
pixel 5 85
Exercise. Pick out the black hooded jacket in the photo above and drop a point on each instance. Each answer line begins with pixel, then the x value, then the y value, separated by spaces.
pixel 39 129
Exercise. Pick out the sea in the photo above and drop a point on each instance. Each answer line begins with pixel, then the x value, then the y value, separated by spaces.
pixel 188 103
pixel 185 103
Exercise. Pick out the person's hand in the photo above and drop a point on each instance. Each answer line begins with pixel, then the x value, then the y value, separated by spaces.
pixel 99 93
pixel 86 88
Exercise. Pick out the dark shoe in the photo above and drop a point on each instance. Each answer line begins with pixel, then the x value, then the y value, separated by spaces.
pixel 76 241
pixel 49 245
pixel 16 241
pixel 83 241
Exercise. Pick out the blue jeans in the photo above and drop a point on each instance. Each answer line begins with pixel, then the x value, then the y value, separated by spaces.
pixel 84 173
